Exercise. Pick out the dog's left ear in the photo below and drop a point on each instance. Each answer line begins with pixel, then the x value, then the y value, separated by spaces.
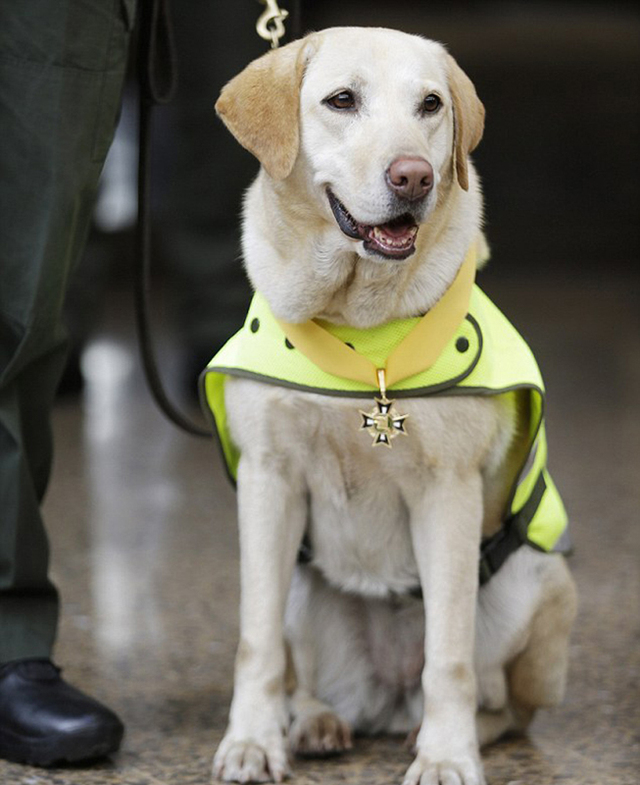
pixel 468 119
pixel 260 106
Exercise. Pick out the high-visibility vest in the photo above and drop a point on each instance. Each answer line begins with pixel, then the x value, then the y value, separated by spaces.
pixel 486 356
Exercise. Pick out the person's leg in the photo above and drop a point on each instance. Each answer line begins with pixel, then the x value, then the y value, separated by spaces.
pixel 62 64
pixel 61 72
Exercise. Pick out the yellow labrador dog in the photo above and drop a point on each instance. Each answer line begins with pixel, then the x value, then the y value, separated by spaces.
pixel 363 211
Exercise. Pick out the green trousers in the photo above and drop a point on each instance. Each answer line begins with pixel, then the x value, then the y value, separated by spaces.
pixel 62 66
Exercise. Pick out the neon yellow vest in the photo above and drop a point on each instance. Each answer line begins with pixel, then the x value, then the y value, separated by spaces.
pixel 486 356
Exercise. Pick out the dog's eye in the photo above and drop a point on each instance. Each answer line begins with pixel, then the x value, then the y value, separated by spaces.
pixel 431 103
pixel 345 99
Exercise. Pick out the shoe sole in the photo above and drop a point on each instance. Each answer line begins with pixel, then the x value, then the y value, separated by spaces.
pixel 60 749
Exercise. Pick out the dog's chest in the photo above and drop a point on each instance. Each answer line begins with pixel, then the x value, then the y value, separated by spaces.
pixel 361 497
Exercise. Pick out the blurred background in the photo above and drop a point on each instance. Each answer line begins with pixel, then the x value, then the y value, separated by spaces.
pixel 141 516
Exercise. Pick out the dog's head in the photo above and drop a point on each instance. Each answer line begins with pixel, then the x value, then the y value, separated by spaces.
pixel 377 125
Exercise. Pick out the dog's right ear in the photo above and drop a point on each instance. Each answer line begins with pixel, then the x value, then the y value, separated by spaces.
pixel 468 118
pixel 260 106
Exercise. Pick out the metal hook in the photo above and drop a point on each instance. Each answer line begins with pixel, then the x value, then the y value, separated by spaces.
pixel 270 24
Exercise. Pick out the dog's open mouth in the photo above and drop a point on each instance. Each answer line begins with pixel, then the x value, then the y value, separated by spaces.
pixel 393 240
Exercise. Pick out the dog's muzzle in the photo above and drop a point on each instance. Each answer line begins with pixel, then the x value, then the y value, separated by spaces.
pixel 394 239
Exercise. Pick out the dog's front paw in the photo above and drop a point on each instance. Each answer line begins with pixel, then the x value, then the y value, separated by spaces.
pixel 319 734
pixel 432 770
pixel 251 760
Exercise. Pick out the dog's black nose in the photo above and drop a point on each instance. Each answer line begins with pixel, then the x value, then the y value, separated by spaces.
pixel 410 178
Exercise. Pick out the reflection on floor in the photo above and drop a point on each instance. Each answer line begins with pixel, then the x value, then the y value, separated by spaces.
pixel 142 524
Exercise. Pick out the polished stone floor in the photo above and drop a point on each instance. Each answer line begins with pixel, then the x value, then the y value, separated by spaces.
pixel 142 525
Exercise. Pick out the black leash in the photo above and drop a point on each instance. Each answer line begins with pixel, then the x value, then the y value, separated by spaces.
pixel 157 85
pixel 157 78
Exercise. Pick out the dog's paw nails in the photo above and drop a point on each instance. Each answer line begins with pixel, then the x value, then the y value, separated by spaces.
pixel 319 735
pixel 464 771
pixel 246 761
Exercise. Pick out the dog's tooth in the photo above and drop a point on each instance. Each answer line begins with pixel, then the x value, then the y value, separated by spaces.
pixel 393 243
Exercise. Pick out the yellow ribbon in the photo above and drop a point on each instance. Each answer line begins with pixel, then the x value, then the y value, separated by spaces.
pixel 415 353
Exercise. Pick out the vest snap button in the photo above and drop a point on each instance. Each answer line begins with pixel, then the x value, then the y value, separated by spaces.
pixel 255 325
pixel 288 344
pixel 462 344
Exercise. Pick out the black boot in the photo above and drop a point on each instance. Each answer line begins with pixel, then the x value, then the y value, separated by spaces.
pixel 44 721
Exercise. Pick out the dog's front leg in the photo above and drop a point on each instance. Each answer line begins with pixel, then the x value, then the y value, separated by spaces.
pixel 272 516
pixel 445 525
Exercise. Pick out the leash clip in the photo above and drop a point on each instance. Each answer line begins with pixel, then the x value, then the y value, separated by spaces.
pixel 270 24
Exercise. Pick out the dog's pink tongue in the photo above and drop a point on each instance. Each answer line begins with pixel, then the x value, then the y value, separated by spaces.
pixel 397 230
pixel 395 234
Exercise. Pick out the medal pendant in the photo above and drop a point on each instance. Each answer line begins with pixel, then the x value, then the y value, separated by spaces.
pixel 383 425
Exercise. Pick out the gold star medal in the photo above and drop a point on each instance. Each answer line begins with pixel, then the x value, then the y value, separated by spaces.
pixel 381 423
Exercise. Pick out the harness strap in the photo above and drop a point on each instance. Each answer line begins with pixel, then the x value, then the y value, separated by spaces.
pixel 495 550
